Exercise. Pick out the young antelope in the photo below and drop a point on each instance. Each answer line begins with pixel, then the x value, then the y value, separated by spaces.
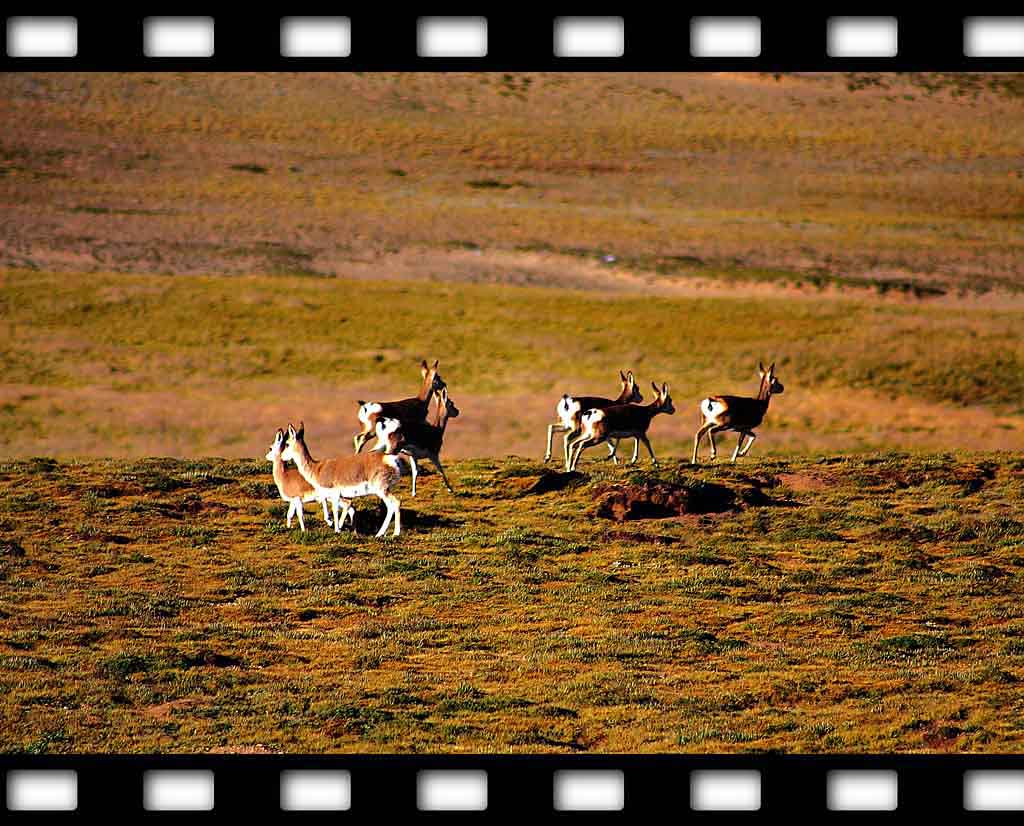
pixel 292 487
pixel 349 477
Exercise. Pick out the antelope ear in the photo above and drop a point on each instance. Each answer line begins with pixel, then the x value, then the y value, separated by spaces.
pixel 629 376
pixel 622 376
pixel 772 368
pixel 655 386
pixel 423 368
pixel 301 430
pixel 291 430
pixel 760 368
pixel 664 389
pixel 436 362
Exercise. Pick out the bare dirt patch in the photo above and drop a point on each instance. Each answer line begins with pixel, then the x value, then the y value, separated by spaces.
pixel 662 500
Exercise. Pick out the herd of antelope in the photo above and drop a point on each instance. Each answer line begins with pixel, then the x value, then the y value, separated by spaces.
pixel 404 436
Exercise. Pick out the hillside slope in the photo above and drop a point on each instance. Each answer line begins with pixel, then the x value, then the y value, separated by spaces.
pixel 855 605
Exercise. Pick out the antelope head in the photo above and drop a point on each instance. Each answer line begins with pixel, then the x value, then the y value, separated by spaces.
pixel 662 400
pixel 431 377
pixel 294 438
pixel 769 380
pixel 276 447
pixel 629 389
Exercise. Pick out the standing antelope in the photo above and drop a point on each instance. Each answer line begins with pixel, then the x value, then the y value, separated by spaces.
pixel 423 440
pixel 739 413
pixel 571 408
pixel 414 409
pixel 621 421
pixel 294 489
pixel 348 477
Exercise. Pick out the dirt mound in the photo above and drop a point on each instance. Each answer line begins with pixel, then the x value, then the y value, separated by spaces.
pixel 661 500
pixel 550 480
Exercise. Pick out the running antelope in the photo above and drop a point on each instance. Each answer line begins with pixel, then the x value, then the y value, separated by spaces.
pixel 621 421
pixel 739 413
pixel 423 440
pixel 571 408
pixel 293 488
pixel 405 410
pixel 349 477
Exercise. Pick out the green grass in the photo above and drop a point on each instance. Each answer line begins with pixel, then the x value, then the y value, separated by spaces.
pixel 213 365
pixel 860 605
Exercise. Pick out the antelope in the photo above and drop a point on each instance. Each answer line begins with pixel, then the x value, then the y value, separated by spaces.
pixel 293 488
pixel 621 421
pixel 349 477
pixel 423 440
pixel 739 413
pixel 571 408
pixel 405 410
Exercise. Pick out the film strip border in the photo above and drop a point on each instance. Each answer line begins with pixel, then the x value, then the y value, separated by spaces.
pixel 747 39
pixel 364 786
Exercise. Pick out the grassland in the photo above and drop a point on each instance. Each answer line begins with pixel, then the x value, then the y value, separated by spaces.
pixel 866 604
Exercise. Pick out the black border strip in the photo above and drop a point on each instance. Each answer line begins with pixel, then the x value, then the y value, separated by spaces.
pixel 520 785
pixel 386 40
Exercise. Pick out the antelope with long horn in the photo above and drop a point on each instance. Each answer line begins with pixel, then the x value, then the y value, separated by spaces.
pixel 405 410
pixel 349 477
pixel 739 413
pixel 571 408
pixel 423 440
pixel 621 421
pixel 293 489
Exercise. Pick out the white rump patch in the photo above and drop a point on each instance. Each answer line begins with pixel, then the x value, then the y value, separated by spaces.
pixel 711 409
pixel 367 410
pixel 592 417
pixel 568 408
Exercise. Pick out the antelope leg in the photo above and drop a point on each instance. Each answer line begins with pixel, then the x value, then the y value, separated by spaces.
pixel 752 436
pixel 704 428
pixel 647 444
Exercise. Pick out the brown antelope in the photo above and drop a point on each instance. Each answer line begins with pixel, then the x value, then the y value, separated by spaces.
pixel 412 409
pixel 348 477
pixel 423 440
pixel 621 421
pixel 571 408
pixel 739 413
pixel 293 488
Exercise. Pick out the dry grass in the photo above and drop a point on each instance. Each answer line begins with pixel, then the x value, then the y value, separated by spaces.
pixel 864 605
pixel 909 180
